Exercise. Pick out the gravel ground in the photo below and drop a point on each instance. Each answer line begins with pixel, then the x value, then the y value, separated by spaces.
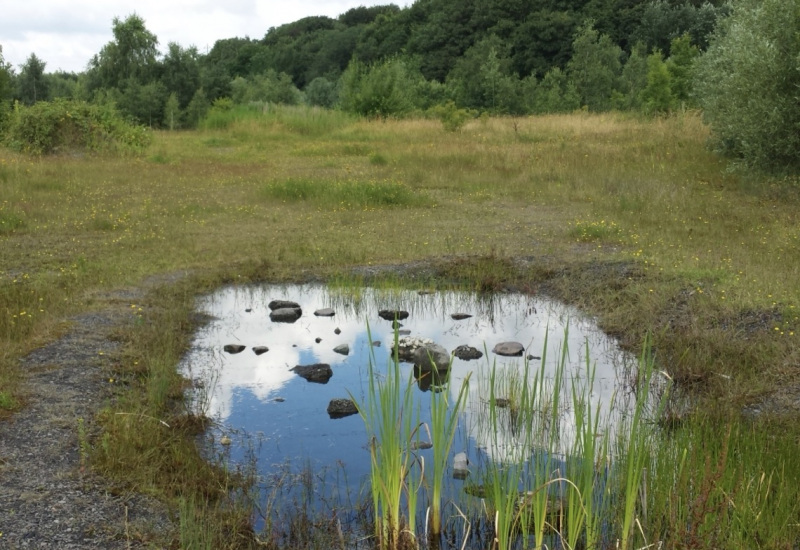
pixel 47 500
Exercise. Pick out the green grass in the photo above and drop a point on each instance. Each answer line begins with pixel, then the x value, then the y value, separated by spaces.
pixel 702 258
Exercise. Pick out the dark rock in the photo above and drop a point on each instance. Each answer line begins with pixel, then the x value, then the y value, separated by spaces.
pixel 248 310
pixel 342 349
pixel 424 292
pixel 392 314
pixel 467 353
pixel 285 314
pixel 282 304
pixel 534 358
pixel 420 445
pixel 376 343
pixel 509 349
pixel 234 348
pixel 319 373
pixel 404 332
pixel 279 399
pixel 460 316
pixel 337 331
pixel 318 340
pixel 260 350
pixel 327 312
pixel 340 407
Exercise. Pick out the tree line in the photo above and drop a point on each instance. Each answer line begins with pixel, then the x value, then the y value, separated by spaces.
pixel 451 57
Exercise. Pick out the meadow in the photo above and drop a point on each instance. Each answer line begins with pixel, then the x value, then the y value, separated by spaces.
pixel 634 220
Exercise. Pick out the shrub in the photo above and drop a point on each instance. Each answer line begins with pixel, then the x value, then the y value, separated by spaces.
pixel 747 84
pixel 49 127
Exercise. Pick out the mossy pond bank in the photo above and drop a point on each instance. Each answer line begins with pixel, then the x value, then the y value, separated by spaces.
pixel 267 417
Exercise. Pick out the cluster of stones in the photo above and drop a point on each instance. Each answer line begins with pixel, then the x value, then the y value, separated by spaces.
pixel 426 355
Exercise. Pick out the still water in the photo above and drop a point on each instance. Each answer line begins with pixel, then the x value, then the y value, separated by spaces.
pixel 276 418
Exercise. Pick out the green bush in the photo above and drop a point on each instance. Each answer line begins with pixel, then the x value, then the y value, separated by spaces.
pixel 747 84
pixel 50 127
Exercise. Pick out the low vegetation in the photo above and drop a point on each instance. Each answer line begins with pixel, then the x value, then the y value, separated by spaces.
pixel 634 220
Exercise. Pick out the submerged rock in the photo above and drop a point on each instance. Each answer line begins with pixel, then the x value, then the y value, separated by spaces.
pixel 285 314
pixel 234 348
pixel 509 349
pixel 393 314
pixel 341 407
pixel 467 353
pixel 460 316
pixel 460 466
pixel 420 445
pixel 318 373
pixel 260 350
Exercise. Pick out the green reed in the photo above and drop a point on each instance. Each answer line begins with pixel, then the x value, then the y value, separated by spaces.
pixel 391 423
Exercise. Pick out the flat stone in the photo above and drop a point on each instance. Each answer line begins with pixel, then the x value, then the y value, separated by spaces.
pixel 234 348
pixel 318 373
pixel 460 316
pixel 260 350
pixel 509 349
pixel 285 314
pixel 326 312
pixel 283 304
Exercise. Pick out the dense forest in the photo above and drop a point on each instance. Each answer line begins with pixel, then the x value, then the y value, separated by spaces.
pixel 452 59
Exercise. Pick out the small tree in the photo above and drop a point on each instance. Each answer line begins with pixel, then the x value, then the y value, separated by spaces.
pixel 31 83
pixel 321 92
pixel 747 84
pixel 197 108
pixel 681 60
pixel 657 94
pixel 172 112
pixel 633 80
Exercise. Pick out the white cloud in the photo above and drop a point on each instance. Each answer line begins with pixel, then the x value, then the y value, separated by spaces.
pixel 67 34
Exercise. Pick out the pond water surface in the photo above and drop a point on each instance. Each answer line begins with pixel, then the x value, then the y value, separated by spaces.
pixel 280 420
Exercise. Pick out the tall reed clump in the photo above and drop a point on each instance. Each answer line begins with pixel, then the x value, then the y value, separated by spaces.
pixel 444 421
pixel 391 422
pixel 548 474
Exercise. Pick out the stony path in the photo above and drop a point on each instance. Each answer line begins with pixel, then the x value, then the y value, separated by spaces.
pixel 47 499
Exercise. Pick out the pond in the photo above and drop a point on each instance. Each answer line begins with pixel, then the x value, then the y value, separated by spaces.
pixel 267 414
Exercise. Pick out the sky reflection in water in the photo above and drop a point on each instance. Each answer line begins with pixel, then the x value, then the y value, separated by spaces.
pixel 262 397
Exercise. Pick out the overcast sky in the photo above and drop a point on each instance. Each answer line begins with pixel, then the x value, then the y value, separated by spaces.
pixel 67 33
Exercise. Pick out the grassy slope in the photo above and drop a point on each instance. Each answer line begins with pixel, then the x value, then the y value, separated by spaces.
pixel 634 220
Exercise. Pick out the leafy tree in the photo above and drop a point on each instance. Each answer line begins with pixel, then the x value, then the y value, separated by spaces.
pixel 663 21
pixel 595 67
pixel 542 41
pixel 482 80
pixel 197 108
pixel 679 65
pixel 63 84
pixel 747 83
pixel 657 94
pixel 32 86
pixel 6 86
pixel 144 102
pixel 180 72
pixel 270 87
pixel 131 55
pixel 556 93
